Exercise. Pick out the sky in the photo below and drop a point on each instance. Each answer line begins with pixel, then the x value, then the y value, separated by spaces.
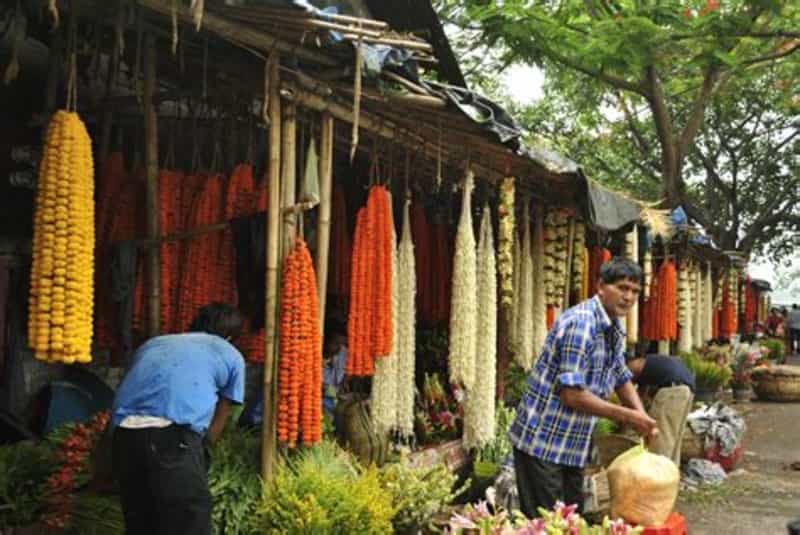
pixel 524 84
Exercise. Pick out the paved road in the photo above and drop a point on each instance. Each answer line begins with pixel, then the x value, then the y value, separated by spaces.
pixel 768 490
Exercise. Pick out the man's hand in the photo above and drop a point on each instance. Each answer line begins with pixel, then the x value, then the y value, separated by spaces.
pixel 643 424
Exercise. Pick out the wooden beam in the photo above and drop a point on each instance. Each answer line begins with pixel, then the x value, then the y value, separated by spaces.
pixel 151 191
pixel 269 445
pixel 239 33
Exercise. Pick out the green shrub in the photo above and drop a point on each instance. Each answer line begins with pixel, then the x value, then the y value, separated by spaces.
pixel 235 483
pixel 24 468
pixel 322 491
pixel 418 494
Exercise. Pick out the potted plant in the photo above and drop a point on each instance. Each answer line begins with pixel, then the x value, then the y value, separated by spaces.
pixel 745 358
pixel 709 377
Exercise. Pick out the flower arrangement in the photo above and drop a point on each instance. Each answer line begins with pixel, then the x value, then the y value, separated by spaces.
pixel 745 358
pixel 485 518
pixel 439 415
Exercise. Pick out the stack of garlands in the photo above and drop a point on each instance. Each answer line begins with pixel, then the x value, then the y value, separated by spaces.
pixel 62 275
pixel 300 366
pixel 524 295
pixel 73 452
pixel 369 328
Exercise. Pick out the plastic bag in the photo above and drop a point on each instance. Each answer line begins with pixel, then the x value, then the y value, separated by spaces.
pixel 644 487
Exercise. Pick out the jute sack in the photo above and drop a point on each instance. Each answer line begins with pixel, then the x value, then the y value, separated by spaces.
pixel 644 487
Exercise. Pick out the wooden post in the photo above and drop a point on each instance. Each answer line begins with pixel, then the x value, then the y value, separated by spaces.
pixel 269 427
pixel 289 172
pixel 324 223
pixel 151 168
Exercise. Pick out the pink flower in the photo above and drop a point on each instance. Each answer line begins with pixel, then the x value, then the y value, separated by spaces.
pixel 458 521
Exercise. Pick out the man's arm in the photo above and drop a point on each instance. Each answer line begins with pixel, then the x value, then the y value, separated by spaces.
pixel 221 413
pixel 630 397
pixel 580 399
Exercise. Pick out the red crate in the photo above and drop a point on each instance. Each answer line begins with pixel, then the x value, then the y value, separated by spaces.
pixel 675 525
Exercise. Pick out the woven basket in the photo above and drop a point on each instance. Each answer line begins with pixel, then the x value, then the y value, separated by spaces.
pixel 777 383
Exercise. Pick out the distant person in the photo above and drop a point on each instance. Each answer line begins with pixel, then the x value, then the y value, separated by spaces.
pixel 177 394
pixel 794 328
pixel 776 325
pixel 666 387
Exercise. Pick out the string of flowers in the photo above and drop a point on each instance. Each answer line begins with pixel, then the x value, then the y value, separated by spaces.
pixel 479 419
pixel 540 323
pixel 384 399
pixel 406 328
pixel 505 254
pixel 525 326
pixel 463 322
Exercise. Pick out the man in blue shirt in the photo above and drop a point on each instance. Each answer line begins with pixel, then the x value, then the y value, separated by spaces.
pixel 581 363
pixel 177 393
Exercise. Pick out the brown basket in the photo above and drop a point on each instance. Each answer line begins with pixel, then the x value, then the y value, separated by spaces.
pixel 777 383
pixel 691 446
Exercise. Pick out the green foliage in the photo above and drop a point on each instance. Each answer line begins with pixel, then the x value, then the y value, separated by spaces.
pixel 322 491
pixel 95 514
pixel 234 482
pixel 24 467
pixel 516 381
pixel 418 494
pixel 775 349
pixel 605 426
pixel 498 449
pixel 707 375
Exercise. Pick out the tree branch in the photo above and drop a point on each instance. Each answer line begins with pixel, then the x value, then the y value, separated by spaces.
pixel 697 114
pixel 777 55
pixel 614 81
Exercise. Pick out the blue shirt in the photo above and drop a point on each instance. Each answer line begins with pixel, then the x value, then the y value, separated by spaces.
pixel 332 376
pixel 180 377
pixel 584 349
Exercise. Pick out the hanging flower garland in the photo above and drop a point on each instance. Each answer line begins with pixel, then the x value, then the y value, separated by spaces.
pixel 383 405
pixel 479 421
pixel 406 328
pixel 525 325
pixel 539 298
pixel 463 321
pixel 505 253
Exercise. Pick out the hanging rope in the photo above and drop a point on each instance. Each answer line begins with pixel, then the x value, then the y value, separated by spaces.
pixel 356 101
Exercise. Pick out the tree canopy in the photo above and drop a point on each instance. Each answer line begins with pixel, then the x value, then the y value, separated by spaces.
pixel 693 102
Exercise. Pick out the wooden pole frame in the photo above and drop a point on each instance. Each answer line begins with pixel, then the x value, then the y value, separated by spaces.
pixel 324 221
pixel 151 191
pixel 269 426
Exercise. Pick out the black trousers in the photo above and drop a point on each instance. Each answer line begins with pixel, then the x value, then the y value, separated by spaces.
pixel 163 479
pixel 542 484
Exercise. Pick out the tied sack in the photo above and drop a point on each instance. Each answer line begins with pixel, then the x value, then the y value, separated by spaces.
pixel 644 487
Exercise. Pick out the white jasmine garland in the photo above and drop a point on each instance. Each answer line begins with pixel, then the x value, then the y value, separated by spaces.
pixel 406 328
pixel 479 421
pixel 384 400
pixel 525 296
pixel 464 311
pixel 513 333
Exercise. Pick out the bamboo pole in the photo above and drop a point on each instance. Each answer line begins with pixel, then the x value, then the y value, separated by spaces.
pixel 238 33
pixel 151 169
pixel 324 223
pixel 301 15
pixel 288 173
pixel 268 429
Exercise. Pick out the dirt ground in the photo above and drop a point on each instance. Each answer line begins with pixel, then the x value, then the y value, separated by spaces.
pixel 764 494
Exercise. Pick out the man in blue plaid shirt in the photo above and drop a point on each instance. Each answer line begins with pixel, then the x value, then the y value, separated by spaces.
pixel 581 364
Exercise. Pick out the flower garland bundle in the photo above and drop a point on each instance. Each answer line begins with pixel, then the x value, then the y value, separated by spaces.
pixel 341 246
pixel 632 253
pixel 684 309
pixel 667 302
pixel 505 253
pixel 697 306
pixel 708 305
pixel 300 364
pixel 169 201
pixel 525 325
pixel 539 300
pixel 728 324
pixel 463 322
pixel 61 298
pixel 73 452
pixel 513 334
pixel 479 418
pixel 369 325
pixel 578 250
pixel 406 329
pixel 383 402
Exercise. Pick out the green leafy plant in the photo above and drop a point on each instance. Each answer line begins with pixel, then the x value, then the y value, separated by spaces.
pixel 707 375
pixel 234 482
pixel 323 491
pixel 418 494
pixel 516 380
pixel 605 426
pixel 24 468
pixel 775 349
pixel 96 514
pixel 498 449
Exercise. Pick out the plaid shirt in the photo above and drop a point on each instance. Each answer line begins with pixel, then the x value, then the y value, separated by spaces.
pixel 584 349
